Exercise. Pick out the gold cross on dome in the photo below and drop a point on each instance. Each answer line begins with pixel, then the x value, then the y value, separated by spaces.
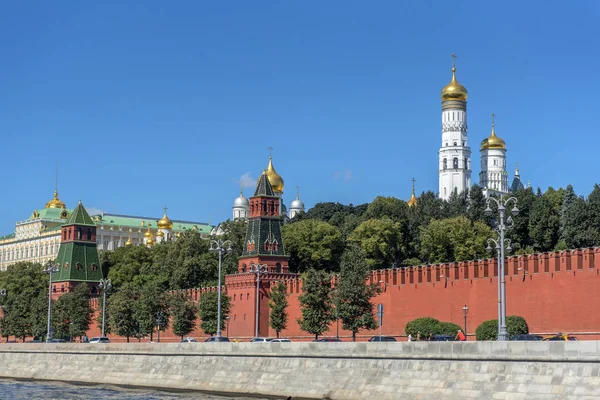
pixel 493 119
pixel 453 59
pixel 165 209
pixel 270 152
pixel 413 183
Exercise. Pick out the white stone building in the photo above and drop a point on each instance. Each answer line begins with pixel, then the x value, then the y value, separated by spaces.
pixel 493 177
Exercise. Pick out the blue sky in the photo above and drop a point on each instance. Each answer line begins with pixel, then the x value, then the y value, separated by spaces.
pixel 149 103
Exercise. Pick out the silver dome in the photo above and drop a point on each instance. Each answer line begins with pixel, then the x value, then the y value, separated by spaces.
pixel 297 205
pixel 241 202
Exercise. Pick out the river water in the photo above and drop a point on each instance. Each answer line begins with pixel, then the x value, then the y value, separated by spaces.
pixel 32 390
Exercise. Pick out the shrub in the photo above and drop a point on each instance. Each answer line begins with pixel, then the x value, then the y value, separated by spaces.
pixel 447 328
pixel 423 325
pixel 427 324
pixel 488 330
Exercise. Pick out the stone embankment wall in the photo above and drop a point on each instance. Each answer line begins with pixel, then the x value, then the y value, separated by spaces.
pixel 485 370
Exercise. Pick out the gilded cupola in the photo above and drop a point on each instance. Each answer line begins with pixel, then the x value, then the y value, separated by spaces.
pixel 165 222
pixel 413 199
pixel 454 90
pixel 148 234
pixel 129 242
pixel 275 179
pixel 493 141
pixel 55 202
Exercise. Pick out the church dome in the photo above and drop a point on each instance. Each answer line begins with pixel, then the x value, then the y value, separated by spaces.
pixel 454 90
pixel 128 242
pixel 165 222
pixel 148 234
pixel 493 141
pixel 55 202
pixel 241 202
pixel 160 234
pixel 275 179
pixel 297 205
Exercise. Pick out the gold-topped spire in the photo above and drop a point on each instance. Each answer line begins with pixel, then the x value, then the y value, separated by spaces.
pixel 493 141
pixel 454 90
pixel 275 179
pixel 129 242
pixel 413 199
pixel 165 222
pixel 55 202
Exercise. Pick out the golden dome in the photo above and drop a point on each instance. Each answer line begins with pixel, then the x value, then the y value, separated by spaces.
pixel 275 179
pixel 128 242
pixel 160 234
pixel 454 90
pixel 413 199
pixel 148 234
pixel 493 141
pixel 55 202
pixel 165 222
pixel 150 242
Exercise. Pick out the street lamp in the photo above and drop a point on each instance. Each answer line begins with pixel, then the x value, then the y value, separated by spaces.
pixel 500 243
pixel 258 269
pixel 105 286
pixel 50 269
pixel 465 311
pixel 159 323
pixel 228 318
pixel 220 246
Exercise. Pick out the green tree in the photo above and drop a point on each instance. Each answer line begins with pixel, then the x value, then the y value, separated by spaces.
pixel 191 264
pixel 519 234
pixel 278 304
pixel 454 239
pixel 208 311
pixel 126 263
pixel 152 309
pixel 569 199
pixel 543 224
pixel 381 240
pixel 457 204
pixel 313 244
pixel 477 204
pixel 121 311
pixel 324 211
pixel 73 312
pixel 578 230
pixel 353 295
pixel 556 198
pixel 184 314
pixel 234 231
pixel 390 207
pixel 316 303
pixel 423 325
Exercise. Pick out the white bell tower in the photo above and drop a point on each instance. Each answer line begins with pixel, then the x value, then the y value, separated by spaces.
pixel 455 154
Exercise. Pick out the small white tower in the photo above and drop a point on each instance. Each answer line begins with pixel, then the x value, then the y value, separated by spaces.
pixel 493 177
pixel 455 154
pixel 241 206
pixel 297 205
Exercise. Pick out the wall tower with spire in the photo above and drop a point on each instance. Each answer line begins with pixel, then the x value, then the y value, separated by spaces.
pixel 454 167
pixel 493 177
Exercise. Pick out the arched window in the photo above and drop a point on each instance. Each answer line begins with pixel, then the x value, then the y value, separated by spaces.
pixel 495 162
pixel 466 163
pixel 79 233
pixel 445 164
pixel 455 144
pixel 278 268
pixel 247 296
pixel 89 234
pixel 455 163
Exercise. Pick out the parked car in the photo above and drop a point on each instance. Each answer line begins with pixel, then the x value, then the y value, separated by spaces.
pixel 382 339
pixel 189 340
pixel 560 337
pixel 281 341
pixel 57 341
pixel 260 340
pixel 526 337
pixel 99 339
pixel 327 340
pixel 217 339
pixel 443 338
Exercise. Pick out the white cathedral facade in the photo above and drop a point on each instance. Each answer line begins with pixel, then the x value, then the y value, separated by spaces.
pixel 454 167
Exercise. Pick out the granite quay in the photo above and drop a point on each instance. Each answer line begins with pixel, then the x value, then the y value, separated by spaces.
pixel 345 371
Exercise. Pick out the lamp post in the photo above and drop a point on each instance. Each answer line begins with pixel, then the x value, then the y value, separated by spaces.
pixel 159 322
pixel 501 229
pixel 105 286
pixel 258 269
pixel 3 293
pixel 465 311
pixel 228 318
pixel 50 269
pixel 221 247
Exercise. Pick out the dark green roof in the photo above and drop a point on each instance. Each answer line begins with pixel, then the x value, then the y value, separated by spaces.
pixel 80 216
pixel 263 186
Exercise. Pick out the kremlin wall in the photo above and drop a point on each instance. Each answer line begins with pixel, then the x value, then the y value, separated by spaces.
pixel 554 292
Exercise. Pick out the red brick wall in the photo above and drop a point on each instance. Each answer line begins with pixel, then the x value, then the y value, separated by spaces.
pixel 560 292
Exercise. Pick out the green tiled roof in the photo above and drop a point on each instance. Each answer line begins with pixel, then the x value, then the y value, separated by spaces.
pixel 9 236
pixel 264 238
pixel 128 221
pixel 263 187
pixel 78 261
pixel 52 214
pixel 80 216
